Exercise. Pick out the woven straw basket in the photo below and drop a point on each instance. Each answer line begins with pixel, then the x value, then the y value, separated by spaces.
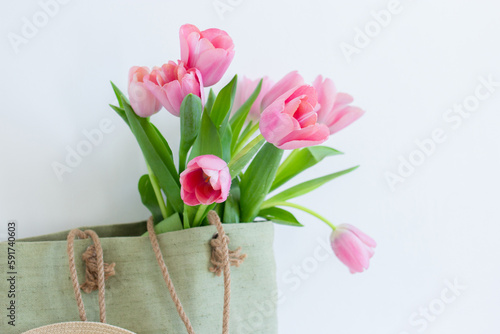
pixel 79 327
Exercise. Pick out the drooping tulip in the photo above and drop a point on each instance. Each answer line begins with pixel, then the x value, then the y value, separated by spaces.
pixel 210 51
pixel 172 82
pixel 333 107
pixel 353 247
pixel 206 180
pixel 290 122
pixel 141 99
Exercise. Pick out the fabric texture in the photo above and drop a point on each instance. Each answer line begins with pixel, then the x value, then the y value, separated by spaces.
pixel 136 297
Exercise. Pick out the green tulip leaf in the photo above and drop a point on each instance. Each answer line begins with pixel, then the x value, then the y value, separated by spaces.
pixel 170 224
pixel 238 119
pixel 232 204
pixel 279 216
pixel 304 188
pixel 223 104
pixel 226 144
pixel 148 197
pixel 210 101
pixel 208 141
pixel 119 95
pixel 190 116
pixel 240 160
pixel 120 113
pixel 157 156
pixel 257 180
pixel 300 160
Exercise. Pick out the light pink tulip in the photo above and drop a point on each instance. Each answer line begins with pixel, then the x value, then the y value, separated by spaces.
pixel 244 89
pixel 206 180
pixel 289 81
pixel 172 82
pixel 352 247
pixel 290 122
pixel 211 51
pixel 142 100
pixel 333 108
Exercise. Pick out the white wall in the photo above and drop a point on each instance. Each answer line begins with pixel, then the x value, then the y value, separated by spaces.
pixel 440 225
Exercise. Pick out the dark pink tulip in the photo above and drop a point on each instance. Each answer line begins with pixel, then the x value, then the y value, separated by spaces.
pixel 206 180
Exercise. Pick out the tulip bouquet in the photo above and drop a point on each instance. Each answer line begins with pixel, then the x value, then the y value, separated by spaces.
pixel 224 163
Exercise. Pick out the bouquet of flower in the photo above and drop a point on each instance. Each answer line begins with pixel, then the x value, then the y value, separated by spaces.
pixel 224 163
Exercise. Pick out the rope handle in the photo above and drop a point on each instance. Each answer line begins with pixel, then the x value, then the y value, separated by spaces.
pixel 100 271
pixel 222 258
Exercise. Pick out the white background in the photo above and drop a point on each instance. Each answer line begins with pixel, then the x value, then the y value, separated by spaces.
pixel 440 224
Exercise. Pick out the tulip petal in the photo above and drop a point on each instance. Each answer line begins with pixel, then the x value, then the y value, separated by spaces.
pixel 160 94
pixel 192 179
pixel 309 136
pixel 326 97
pixel 306 93
pixel 274 125
pixel 362 236
pixel 213 64
pixel 290 81
pixel 346 117
pixel 225 183
pixel 174 95
pixel 349 250
pixel 210 162
pixel 184 32
pixel 189 198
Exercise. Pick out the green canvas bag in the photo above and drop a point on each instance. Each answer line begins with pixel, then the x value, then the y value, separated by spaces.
pixel 136 297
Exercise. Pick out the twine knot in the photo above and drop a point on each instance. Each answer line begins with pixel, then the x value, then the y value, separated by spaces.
pixel 92 270
pixel 219 244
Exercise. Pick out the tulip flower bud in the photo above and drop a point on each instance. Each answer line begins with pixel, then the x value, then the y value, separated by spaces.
pixel 172 82
pixel 141 99
pixel 210 51
pixel 352 247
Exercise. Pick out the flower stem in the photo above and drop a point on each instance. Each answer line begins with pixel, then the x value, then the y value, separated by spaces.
pixel 247 136
pixel 157 190
pixel 199 215
pixel 309 211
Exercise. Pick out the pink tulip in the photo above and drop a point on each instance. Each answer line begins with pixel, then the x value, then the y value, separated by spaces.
pixel 352 247
pixel 333 108
pixel 172 82
pixel 211 51
pixel 142 101
pixel 206 180
pixel 244 89
pixel 290 122
pixel 289 81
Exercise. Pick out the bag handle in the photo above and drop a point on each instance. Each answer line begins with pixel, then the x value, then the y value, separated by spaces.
pixel 100 271
pixel 222 259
